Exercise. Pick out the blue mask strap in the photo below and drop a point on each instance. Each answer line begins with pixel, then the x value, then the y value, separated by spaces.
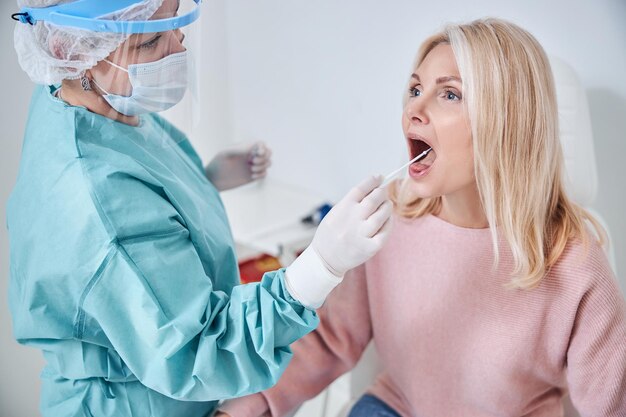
pixel 84 14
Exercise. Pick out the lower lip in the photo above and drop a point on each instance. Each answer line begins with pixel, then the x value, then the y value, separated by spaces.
pixel 414 173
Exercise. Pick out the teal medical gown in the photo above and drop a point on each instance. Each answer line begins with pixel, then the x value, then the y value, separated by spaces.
pixel 123 271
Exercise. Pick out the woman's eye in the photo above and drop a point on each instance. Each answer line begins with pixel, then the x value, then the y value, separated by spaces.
pixel 450 95
pixel 414 92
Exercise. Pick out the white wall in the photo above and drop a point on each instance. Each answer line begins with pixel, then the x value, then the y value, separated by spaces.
pixel 19 366
pixel 321 82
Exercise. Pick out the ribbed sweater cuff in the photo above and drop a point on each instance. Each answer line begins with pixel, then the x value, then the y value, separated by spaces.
pixel 253 405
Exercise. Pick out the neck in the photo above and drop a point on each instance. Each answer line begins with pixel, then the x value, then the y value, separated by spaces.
pixel 464 209
pixel 73 94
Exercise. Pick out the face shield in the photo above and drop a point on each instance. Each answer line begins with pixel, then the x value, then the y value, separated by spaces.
pixel 138 55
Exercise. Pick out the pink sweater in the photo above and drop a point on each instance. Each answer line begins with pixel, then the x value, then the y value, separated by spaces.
pixel 454 341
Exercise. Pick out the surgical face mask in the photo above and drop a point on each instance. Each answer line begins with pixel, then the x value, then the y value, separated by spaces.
pixel 157 85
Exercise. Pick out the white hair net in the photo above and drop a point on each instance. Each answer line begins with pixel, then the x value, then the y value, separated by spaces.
pixel 49 53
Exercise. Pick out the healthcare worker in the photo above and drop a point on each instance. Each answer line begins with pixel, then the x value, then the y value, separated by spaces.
pixel 123 268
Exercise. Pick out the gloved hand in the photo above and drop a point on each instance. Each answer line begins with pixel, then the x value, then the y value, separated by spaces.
pixel 355 228
pixel 351 233
pixel 233 168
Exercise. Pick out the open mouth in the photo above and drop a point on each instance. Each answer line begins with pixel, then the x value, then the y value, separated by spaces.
pixel 417 146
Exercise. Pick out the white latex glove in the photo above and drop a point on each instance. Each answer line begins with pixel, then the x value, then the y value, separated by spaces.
pixel 236 167
pixel 351 233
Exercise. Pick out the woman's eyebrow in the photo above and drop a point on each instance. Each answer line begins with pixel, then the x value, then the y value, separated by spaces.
pixel 440 80
pixel 448 78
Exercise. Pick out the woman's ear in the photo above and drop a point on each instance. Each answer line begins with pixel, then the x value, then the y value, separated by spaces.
pixel 85 80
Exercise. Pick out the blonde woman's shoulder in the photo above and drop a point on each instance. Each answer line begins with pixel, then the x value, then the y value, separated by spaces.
pixel 585 265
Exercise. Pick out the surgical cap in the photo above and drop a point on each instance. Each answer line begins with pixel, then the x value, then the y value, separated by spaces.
pixel 49 53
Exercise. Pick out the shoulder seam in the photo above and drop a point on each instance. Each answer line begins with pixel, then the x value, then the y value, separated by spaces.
pixel 106 222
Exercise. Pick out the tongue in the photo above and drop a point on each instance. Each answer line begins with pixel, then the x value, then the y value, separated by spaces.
pixel 419 166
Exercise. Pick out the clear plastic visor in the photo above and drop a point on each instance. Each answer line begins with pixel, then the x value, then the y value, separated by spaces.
pixel 154 72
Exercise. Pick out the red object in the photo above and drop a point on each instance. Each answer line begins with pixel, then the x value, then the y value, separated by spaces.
pixel 252 270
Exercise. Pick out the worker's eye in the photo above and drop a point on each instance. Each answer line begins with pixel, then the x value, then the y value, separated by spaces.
pixel 151 43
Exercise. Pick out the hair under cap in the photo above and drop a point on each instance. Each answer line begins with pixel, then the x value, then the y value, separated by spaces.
pixel 50 54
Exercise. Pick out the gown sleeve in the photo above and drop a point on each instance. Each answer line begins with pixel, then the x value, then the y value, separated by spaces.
pixel 154 302
pixel 321 356
pixel 157 308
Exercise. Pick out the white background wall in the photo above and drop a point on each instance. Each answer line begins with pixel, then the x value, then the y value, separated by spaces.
pixel 321 82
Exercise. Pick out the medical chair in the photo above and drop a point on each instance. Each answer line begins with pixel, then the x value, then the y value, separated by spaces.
pixel 581 183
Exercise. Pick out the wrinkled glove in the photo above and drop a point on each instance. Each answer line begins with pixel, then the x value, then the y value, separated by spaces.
pixel 351 233
pixel 233 168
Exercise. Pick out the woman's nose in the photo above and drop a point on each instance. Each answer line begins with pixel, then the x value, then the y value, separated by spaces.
pixel 415 110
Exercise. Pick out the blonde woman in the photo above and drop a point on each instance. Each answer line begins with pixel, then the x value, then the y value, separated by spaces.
pixel 493 295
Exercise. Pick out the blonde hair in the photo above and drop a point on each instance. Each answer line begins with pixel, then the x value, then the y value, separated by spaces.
pixel 518 161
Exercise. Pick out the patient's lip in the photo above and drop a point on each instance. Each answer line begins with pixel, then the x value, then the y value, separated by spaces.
pixel 418 169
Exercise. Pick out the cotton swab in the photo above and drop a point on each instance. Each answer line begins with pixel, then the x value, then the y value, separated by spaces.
pixel 392 175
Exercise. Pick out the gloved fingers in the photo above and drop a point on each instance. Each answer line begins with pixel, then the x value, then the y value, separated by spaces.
pixel 260 159
pixel 255 158
pixel 365 187
pixel 256 168
pixel 259 175
pixel 372 202
pixel 382 234
pixel 260 171
pixel 260 162
pixel 259 150
pixel 376 221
